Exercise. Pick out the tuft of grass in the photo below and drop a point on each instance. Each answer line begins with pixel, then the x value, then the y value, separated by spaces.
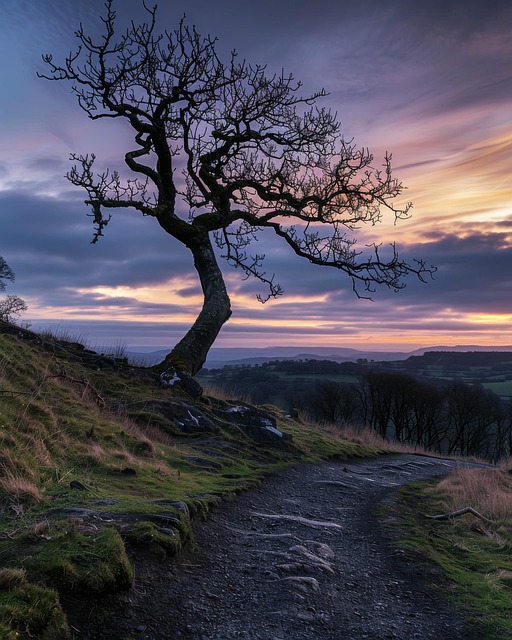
pixel 325 442
pixel 366 436
pixel 16 489
pixel 116 350
pixel 224 393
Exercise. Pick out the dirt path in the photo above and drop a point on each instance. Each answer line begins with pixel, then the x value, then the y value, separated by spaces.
pixel 304 557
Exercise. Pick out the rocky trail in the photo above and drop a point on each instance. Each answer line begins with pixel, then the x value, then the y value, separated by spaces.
pixel 306 556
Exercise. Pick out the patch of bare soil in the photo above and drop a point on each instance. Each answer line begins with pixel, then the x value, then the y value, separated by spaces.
pixel 303 557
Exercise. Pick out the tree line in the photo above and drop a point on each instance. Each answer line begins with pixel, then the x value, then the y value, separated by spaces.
pixel 451 417
pixel 11 306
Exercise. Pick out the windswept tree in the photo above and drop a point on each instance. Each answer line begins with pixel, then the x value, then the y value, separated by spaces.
pixel 6 273
pixel 253 153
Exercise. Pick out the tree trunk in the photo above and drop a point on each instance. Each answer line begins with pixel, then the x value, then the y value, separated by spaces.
pixel 188 356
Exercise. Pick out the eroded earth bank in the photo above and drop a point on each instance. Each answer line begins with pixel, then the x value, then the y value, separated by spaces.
pixel 306 556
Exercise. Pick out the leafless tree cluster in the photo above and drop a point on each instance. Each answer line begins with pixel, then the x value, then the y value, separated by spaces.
pixel 455 418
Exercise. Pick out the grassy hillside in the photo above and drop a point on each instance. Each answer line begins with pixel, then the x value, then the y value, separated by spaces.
pixel 95 455
pixel 96 458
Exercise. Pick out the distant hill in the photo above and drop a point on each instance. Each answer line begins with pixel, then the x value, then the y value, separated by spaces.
pixel 220 356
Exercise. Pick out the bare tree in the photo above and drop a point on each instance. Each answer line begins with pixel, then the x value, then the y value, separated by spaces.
pixel 376 393
pixel 471 412
pixel 254 154
pixel 334 402
pixel 429 429
pixel 11 307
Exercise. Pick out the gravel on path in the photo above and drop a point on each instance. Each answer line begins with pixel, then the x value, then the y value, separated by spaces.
pixel 303 557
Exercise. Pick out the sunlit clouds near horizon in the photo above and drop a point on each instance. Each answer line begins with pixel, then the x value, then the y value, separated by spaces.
pixel 429 83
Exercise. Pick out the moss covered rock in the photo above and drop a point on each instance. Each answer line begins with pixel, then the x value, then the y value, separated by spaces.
pixel 28 610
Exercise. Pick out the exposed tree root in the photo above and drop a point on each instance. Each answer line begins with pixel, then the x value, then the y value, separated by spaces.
pixel 459 512
pixel 299 519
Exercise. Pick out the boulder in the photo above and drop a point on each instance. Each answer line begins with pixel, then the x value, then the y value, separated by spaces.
pixel 171 378
pixel 257 424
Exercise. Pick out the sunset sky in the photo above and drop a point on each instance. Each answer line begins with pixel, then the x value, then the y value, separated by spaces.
pixel 430 82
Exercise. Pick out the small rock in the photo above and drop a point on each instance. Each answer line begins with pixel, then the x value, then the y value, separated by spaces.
pixel 76 484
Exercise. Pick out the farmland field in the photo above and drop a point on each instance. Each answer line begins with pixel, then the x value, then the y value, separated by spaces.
pixel 500 388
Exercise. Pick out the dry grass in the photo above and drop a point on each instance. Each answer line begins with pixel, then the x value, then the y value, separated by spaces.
pixel 11 577
pixel 224 393
pixel 19 489
pixel 371 437
pixel 3 368
pixel 116 350
pixel 39 427
pixel 38 449
pixel 125 456
pixel 505 464
pixel 155 434
pixel 6 438
pixel 145 445
pixel 19 473
pixel 11 465
pixel 95 451
pixel 489 491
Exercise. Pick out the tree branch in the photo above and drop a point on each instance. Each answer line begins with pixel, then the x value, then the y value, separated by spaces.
pixel 459 512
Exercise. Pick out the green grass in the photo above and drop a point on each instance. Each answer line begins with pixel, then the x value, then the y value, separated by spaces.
pixel 72 557
pixel 319 444
pixel 475 558
pixel 500 388
pixel 163 544
pixel 30 611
